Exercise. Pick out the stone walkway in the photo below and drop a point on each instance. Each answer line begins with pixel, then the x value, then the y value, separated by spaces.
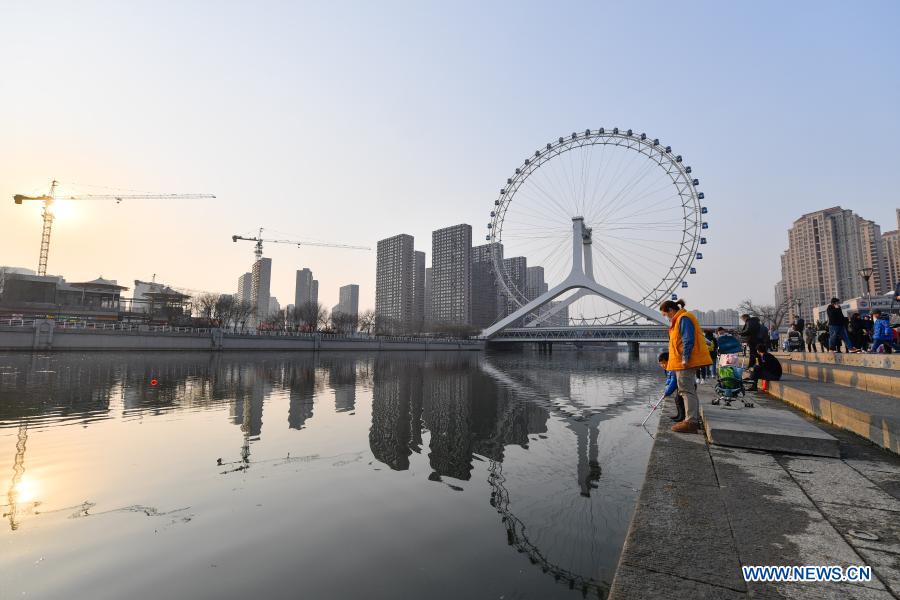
pixel 705 511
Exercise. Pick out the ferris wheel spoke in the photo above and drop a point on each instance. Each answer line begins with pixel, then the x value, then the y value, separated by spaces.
pixel 636 201
pixel 622 197
pixel 657 203
pixel 538 208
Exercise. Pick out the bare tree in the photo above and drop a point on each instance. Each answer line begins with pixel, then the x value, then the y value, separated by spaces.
pixel 204 304
pixel 241 312
pixel 224 308
pixel 310 315
pixel 343 322
pixel 366 321
pixel 770 316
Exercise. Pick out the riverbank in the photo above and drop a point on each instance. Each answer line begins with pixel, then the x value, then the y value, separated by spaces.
pixel 705 511
pixel 44 336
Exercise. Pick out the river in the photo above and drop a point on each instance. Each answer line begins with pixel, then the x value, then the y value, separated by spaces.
pixel 327 475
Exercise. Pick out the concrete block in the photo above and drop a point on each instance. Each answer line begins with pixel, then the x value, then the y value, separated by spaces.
pixel 837 482
pixel 767 429
pixel 639 584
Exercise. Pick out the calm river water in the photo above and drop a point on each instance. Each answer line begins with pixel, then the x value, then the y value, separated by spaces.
pixel 330 475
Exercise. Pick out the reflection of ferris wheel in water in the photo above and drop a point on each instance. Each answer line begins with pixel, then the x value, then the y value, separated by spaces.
pixel 613 218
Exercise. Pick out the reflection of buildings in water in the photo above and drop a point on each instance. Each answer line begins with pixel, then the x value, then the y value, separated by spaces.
pixel 300 379
pixel 465 412
pixel 342 379
pixel 396 404
pixel 33 385
pixel 447 407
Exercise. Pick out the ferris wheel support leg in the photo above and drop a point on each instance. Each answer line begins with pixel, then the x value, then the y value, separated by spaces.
pixel 557 307
pixel 581 277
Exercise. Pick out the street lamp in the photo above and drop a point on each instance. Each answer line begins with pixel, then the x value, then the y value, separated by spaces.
pixel 866 274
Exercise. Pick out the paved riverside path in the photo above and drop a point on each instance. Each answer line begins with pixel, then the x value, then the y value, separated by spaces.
pixel 704 511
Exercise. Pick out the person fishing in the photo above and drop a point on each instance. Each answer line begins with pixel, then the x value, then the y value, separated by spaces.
pixel 671 387
pixel 687 352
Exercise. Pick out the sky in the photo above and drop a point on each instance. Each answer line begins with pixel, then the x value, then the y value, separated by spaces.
pixel 351 122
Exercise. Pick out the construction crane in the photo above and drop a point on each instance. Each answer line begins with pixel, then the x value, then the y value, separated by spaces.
pixel 47 213
pixel 258 249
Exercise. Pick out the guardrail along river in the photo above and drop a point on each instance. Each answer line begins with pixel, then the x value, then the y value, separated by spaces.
pixel 319 475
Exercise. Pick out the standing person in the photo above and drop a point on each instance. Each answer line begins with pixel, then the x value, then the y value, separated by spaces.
pixel 837 327
pixel 687 352
pixel 883 335
pixel 799 324
pixel 775 337
pixel 809 335
pixel 749 334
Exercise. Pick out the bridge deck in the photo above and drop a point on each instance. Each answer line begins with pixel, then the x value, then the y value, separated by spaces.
pixel 593 333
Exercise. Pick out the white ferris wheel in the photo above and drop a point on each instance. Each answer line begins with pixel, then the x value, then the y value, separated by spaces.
pixel 613 217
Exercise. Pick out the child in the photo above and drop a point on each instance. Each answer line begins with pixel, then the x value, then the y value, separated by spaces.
pixel 882 336
pixel 671 387
pixel 768 368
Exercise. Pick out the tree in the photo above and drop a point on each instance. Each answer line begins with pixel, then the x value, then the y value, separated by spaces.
pixel 769 315
pixel 366 321
pixel 241 312
pixel 224 308
pixel 309 315
pixel 204 304
pixel 343 322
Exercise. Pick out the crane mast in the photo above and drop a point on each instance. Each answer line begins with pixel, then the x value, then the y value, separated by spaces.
pixel 47 212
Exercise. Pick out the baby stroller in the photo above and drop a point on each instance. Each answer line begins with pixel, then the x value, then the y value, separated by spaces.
pixel 729 373
pixel 795 342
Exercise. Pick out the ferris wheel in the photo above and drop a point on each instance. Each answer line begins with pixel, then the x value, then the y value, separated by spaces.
pixel 633 203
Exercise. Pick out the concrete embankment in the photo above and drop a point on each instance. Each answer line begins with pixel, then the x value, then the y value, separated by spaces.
pixel 44 337
pixel 705 511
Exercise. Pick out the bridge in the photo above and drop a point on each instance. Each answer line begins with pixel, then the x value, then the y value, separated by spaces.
pixel 594 333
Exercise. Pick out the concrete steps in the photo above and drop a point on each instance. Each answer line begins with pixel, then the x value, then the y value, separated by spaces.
pixel 875 417
pixel 877 373
pixel 869 361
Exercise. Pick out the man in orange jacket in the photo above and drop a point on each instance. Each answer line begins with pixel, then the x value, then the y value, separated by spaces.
pixel 687 353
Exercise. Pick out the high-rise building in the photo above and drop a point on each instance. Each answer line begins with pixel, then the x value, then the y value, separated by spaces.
pixel 348 300
pixel 826 250
pixel 516 271
pixel 245 283
pixel 534 282
pixel 451 271
pixel 306 289
pixel 890 242
pixel 394 278
pixel 274 306
pixel 485 296
pixel 259 289
pixel 428 295
pixel 418 313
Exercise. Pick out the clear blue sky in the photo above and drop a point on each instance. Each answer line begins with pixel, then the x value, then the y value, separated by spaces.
pixel 354 121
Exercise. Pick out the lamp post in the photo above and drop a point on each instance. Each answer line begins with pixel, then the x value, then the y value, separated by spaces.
pixel 866 274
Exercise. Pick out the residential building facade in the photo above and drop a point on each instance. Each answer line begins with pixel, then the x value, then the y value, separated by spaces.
pixel 394 282
pixel 451 271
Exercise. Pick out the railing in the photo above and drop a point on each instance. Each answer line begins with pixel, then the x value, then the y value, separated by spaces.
pixel 143 328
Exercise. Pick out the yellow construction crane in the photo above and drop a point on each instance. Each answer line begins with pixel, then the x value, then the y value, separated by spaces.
pixel 47 213
pixel 258 249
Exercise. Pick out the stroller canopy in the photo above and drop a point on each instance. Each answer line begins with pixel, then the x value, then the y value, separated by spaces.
pixel 728 344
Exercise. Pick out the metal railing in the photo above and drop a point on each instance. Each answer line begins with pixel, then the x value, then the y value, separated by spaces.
pixel 205 331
